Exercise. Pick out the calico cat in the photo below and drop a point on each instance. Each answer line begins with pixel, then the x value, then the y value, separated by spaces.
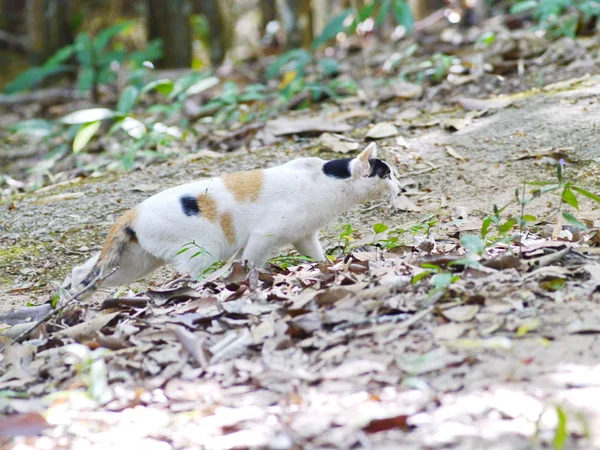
pixel 257 211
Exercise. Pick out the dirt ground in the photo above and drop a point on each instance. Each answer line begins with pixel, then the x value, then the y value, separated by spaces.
pixel 503 396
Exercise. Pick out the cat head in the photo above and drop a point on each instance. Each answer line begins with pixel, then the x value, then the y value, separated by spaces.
pixel 370 178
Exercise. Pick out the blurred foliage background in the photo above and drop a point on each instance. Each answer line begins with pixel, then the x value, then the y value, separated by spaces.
pixel 128 79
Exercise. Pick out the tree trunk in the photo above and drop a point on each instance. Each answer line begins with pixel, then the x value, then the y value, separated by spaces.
pixel 268 13
pixel 423 8
pixel 299 29
pixel 221 21
pixel 170 21
pixel 48 28
pixel 12 16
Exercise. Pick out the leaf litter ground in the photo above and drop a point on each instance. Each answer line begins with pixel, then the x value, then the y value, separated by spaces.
pixel 350 354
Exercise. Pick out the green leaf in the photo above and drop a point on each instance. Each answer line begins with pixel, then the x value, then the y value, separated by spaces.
pixel 380 228
pixel 523 6
pixel 507 226
pixel 329 66
pixel 442 280
pixel 104 37
pixel 33 127
pixel 202 85
pixel 30 78
pixel 529 218
pixel 84 135
pixel 472 243
pixel 298 56
pixel 89 115
pixel 333 27
pixel 386 6
pixel 152 52
pixel 127 99
pixel 86 79
pixel 485 226
pixel 573 221
pixel 586 193
pixel 106 76
pixel 431 267
pixel 182 84
pixel 418 277
pixel 163 86
pixel 404 15
pixel 84 48
pixel 561 433
pixel 60 56
pixel 106 58
pixel 559 172
pixel 569 198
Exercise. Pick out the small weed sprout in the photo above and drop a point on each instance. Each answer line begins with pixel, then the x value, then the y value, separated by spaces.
pixel 192 244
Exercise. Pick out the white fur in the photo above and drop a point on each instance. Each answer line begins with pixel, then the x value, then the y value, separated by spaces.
pixel 296 201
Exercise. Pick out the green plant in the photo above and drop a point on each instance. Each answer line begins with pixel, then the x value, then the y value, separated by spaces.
pixel 95 61
pixel 90 365
pixel 567 191
pixel 379 228
pixel 553 15
pixel 201 251
pixel 284 261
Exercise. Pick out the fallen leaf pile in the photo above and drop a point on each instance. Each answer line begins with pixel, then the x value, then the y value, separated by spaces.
pixel 310 356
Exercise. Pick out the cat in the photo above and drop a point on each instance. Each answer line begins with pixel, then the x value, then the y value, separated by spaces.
pixel 257 211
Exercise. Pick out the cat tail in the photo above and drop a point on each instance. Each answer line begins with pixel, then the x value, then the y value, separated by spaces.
pixel 120 234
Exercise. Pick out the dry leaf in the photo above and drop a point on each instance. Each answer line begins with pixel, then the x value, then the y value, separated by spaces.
pixel 29 424
pixel 337 145
pixel 403 203
pixel 462 313
pixel 298 125
pixel 477 104
pixel 382 130
pixel 59 198
pixel 454 153
pixel 406 90
pixel 87 330
pixel 390 423
pixel 429 362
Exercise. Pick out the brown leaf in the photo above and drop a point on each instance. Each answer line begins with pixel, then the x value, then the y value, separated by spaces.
pixel 331 296
pixel 87 330
pixel 161 297
pixel 377 425
pixel 29 424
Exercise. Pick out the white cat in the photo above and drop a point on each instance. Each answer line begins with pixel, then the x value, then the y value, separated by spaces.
pixel 257 211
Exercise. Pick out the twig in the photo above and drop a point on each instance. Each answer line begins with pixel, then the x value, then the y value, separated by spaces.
pixel 74 299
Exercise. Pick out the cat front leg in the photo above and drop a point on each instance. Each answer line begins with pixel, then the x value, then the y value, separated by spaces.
pixel 258 249
pixel 311 247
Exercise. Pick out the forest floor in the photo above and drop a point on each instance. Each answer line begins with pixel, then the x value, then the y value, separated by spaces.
pixel 346 355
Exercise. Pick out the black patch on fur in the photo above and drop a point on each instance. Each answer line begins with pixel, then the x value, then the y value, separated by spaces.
pixel 189 204
pixel 131 234
pixel 379 169
pixel 338 168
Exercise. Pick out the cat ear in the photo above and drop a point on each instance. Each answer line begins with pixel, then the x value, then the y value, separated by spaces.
pixel 361 167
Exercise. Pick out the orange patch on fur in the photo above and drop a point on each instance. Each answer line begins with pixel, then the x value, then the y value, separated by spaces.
pixel 227 227
pixel 245 186
pixel 208 208
pixel 118 232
